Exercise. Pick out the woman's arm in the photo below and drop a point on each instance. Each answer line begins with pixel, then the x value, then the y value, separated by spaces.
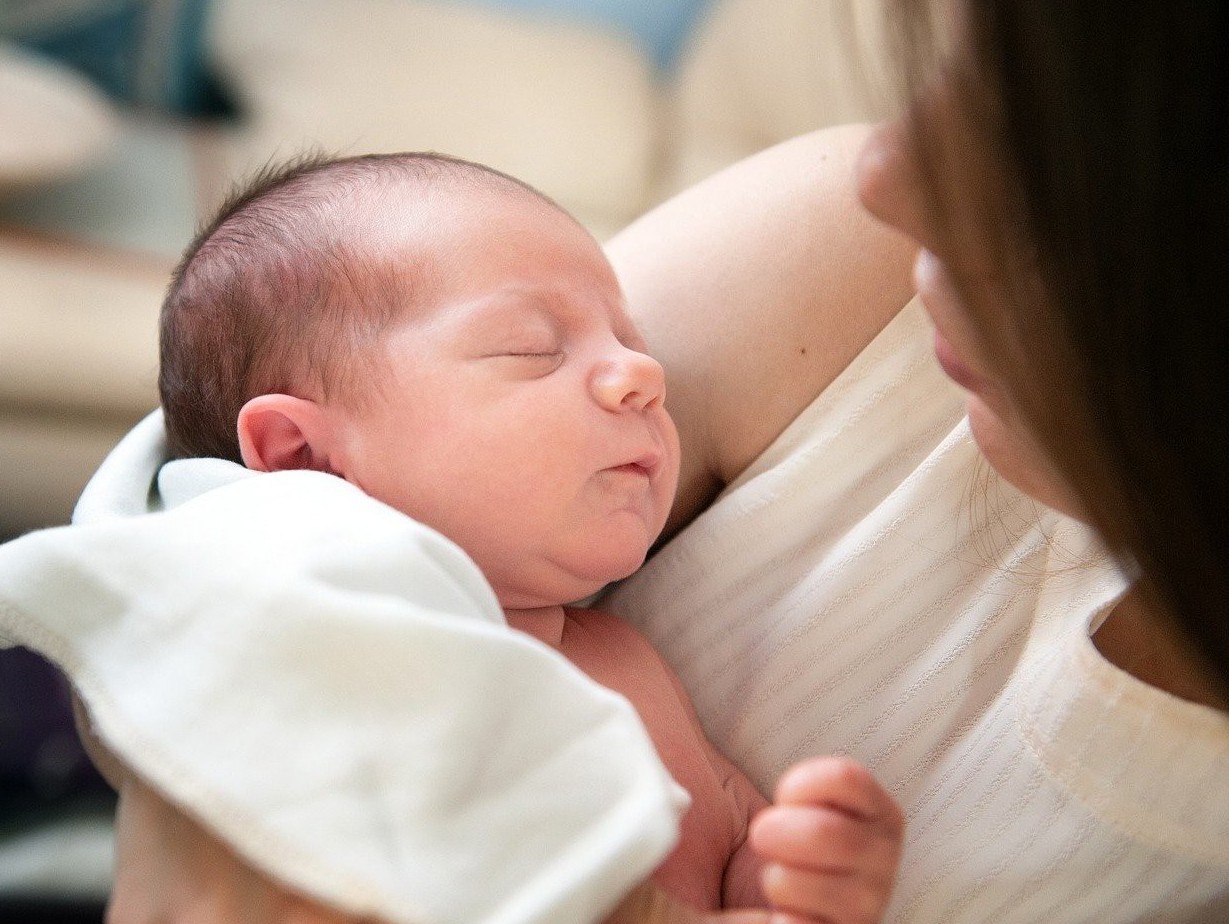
pixel 755 289
pixel 168 868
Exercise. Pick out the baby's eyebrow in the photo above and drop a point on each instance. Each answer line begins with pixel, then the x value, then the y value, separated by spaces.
pixel 527 304
pixel 507 307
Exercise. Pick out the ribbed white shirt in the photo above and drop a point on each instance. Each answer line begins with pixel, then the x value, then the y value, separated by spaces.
pixel 870 587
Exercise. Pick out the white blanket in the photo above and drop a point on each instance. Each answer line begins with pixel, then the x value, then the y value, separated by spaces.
pixel 331 687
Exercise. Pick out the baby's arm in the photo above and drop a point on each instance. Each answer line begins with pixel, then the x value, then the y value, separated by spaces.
pixel 826 850
pixel 831 843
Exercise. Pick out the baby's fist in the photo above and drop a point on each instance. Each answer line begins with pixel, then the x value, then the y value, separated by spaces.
pixel 831 842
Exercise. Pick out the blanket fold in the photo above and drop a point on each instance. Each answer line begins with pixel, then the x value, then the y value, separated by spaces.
pixel 332 689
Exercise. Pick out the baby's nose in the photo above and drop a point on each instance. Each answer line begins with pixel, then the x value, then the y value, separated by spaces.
pixel 630 381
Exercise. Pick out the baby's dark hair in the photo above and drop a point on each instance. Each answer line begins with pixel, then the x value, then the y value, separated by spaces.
pixel 278 294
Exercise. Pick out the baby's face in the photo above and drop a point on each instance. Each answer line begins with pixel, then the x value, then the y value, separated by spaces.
pixel 518 413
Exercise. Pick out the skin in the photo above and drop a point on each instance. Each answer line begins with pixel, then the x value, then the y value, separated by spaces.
pixel 522 362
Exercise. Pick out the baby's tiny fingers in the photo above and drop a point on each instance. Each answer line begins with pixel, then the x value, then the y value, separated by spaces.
pixel 821 839
pixel 832 899
pixel 843 784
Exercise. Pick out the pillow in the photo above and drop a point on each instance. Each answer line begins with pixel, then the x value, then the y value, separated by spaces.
pixel 145 52
pixel 659 26
pixel 754 74
pixel 567 107
pixel 55 123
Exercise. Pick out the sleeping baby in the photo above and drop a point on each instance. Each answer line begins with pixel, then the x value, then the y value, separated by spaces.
pixel 454 344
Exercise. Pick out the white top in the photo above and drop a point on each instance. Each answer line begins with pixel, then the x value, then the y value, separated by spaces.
pixel 870 587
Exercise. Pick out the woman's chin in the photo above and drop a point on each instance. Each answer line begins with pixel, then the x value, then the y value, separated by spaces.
pixel 1014 454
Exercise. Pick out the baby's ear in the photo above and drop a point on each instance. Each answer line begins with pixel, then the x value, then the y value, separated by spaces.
pixel 280 433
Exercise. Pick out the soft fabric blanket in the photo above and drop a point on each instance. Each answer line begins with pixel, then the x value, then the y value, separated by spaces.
pixel 331 688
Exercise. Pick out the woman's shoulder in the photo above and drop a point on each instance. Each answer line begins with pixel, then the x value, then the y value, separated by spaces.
pixel 755 289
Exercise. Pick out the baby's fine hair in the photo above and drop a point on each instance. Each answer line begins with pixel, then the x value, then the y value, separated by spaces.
pixel 277 294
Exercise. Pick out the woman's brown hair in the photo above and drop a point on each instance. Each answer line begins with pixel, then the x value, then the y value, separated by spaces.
pixel 1106 207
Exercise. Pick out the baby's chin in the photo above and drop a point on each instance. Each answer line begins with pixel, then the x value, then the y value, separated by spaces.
pixel 570 582
pixel 613 568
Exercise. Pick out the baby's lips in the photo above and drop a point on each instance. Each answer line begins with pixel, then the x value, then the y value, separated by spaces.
pixel 635 468
pixel 649 462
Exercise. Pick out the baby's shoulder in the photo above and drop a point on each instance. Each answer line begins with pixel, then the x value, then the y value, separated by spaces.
pixel 601 625
pixel 605 645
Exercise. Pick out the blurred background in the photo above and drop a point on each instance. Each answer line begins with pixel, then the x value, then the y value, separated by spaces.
pixel 122 125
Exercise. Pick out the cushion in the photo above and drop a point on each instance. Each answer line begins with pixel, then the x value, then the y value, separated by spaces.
pixel 753 75
pixel 659 26
pixel 55 123
pixel 146 52
pixel 569 108
pixel 79 357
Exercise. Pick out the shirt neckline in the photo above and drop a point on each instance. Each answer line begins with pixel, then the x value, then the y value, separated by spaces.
pixel 1138 757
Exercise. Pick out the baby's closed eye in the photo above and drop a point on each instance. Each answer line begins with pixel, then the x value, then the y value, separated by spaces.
pixel 538 361
pixel 531 354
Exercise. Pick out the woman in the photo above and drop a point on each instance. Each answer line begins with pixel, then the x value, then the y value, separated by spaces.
pixel 1052 717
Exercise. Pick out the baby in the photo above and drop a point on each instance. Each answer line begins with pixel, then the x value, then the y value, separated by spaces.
pixel 453 343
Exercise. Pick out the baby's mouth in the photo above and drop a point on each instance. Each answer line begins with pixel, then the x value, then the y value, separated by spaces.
pixel 633 468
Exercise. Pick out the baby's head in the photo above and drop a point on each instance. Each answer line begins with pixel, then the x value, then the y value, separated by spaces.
pixel 445 338
pixel 290 285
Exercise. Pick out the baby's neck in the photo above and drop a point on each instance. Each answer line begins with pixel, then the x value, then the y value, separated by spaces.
pixel 545 623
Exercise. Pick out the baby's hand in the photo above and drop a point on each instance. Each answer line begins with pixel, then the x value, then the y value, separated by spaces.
pixel 831 844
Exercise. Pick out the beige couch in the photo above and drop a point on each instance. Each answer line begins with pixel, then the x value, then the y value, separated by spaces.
pixel 95 202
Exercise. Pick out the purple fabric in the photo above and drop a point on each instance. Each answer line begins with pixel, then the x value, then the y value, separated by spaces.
pixel 39 748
